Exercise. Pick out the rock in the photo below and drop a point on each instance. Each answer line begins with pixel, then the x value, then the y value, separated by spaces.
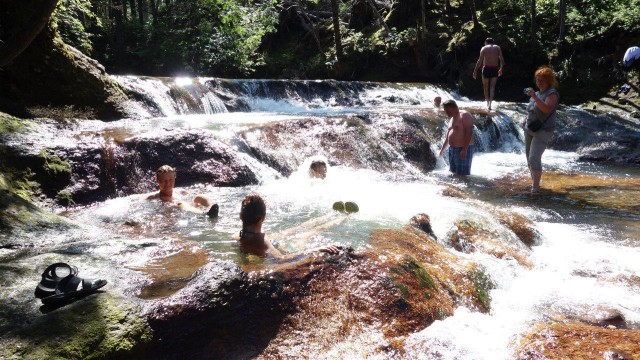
pixel 422 222
pixel 347 141
pixel 598 137
pixel 519 224
pixel 470 236
pixel 615 193
pixel 107 324
pixel 89 169
pixel 578 341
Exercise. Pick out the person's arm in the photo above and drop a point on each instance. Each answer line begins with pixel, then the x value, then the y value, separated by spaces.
pixel 467 128
pixel 478 63
pixel 501 61
pixel 546 106
pixel 446 139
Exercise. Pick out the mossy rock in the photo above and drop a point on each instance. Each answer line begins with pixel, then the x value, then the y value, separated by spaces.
pixel 351 207
pixel 97 327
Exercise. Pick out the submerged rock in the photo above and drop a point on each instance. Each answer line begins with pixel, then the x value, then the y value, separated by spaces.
pixel 579 341
pixel 610 192
pixel 470 236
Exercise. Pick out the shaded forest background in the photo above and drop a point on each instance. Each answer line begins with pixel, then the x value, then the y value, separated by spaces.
pixel 435 41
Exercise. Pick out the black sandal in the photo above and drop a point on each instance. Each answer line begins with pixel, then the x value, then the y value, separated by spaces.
pixel 51 277
pixel 71 287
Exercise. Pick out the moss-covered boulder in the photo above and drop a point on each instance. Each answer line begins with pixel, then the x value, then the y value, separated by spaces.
pixel 51 74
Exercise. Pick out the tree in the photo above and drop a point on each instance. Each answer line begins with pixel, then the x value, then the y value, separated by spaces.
pixel 22 38
pixel 335 9
pixel 562 14
pixel 532 33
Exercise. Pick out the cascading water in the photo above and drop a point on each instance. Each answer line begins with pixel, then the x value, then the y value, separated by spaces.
pixel 357 128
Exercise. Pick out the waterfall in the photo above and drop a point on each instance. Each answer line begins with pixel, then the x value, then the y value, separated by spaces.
pixel 212 104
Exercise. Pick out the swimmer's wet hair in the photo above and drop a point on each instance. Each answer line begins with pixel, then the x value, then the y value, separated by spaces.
pixel 253 209
pixel 164 169
pixel 489 40
pixel 317 163
pixel 450 104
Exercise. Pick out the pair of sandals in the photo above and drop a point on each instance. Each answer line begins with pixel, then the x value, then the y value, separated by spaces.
pixel 60 284
pixel 348 207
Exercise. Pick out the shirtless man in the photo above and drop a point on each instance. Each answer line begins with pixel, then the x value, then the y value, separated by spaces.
pixel 253 240
pixel 459 139
pixel 166 177
pixel 492 62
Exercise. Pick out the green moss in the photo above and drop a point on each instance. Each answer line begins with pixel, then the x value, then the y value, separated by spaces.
pixel 411 267
pixel 483 284
pixel 53 165
pixel 97 329
pixel 65 198
pixel 19 183
pixel 10 124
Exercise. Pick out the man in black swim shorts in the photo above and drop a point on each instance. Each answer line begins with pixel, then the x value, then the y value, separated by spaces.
pixel 492 62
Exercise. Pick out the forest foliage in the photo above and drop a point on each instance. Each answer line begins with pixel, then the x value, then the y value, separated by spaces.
pixel 234 38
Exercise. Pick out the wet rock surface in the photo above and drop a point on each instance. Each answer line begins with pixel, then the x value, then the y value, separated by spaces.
pixel 579 341
pixel 615 193
pixel 353 141
pixel 598 137
pixel 96 165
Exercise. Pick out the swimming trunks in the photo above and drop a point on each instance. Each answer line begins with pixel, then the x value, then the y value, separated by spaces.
pixel 489 71
pixel 457 165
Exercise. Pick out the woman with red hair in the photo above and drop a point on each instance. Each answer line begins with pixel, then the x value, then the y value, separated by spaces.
pixel 541 109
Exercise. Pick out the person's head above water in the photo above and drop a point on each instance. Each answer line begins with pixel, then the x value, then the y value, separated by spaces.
pixel 450 107
pixel 318 169
pixel 253 210
pixel 166 177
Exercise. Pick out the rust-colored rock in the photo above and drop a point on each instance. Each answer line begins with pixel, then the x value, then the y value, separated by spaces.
pixel 608 192
pixel 579 341
pixel 471 236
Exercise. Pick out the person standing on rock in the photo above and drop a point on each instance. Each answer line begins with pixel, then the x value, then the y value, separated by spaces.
pixel 459 139
pixel 166 178
pixel 492 63
pixel 542 107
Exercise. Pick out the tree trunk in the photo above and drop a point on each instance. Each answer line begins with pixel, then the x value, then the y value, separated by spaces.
pixel 132 7
pixel 141 4
pixel 154 9
pixel 474 16
pixel 336 29
pixel 308 25
pixel 562 13
pixel 379 17
pixel 17 44
pixel 118 27
pixel 533 24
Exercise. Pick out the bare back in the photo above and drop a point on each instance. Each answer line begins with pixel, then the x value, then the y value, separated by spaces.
pixel 491 55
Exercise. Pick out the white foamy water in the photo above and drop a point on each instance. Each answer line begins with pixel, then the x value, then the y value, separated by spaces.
pixel 573 269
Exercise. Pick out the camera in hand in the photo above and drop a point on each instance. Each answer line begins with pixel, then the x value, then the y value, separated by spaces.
pixel 526 91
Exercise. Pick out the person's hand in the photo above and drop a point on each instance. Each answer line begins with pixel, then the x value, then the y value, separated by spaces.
pixel 500 72
pixel 463 153
pixel 530 92
pixel 475 75
pixel 329 249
